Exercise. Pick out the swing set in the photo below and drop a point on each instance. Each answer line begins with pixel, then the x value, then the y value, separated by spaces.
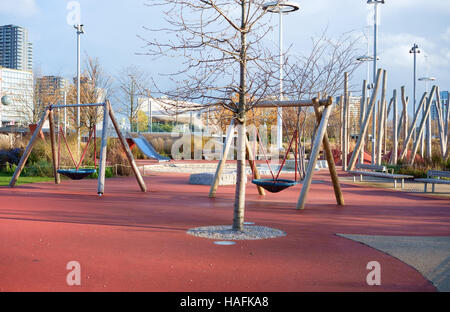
pixel 78 173
pixel 322 109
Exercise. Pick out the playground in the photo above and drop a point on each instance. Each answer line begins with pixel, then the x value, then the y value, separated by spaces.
pixel 135 241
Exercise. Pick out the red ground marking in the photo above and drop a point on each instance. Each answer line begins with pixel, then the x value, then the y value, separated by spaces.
pixel 133 241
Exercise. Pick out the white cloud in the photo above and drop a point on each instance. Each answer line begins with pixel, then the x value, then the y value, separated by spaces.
pixel 23 8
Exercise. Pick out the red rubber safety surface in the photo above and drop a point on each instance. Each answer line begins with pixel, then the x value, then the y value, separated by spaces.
pixel 134 241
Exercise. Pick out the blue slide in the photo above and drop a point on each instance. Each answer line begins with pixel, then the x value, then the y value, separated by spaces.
pixel 148 149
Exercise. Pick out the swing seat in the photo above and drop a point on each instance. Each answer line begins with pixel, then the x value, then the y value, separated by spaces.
pixel 75 174
pixel 274 186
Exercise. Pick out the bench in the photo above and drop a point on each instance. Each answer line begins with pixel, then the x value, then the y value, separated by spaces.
pixel 434 177
pixel 379 172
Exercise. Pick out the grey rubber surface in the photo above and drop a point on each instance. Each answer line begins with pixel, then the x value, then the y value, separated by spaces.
pixel 430 255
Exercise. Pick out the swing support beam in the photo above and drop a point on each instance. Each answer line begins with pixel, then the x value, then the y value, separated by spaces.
pixel 321 138
pixel 108 114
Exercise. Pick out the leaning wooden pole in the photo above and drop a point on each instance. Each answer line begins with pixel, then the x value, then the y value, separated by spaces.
pixel 222 161
pixel 28 149
pixel 252 163
pixel 381 117
pixel 330 160
pixel 422 125
pixel 440 122
pixel 413 126
pixel 313 157
pixel 365 125
pixel 53 146
pixel 362 113
pixel 394 153
pixel 405 101
pixel 126 148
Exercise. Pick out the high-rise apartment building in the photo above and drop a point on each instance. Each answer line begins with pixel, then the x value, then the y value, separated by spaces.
pixel 16 51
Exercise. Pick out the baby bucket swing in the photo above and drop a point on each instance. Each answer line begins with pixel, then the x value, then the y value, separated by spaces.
pixel 276 184
pixel 77 173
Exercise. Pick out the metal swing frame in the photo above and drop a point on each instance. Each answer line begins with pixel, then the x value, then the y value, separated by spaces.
pixel 108 113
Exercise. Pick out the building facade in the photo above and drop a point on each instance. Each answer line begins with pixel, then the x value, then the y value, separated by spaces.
pixel 16 51
pixel 444 103
pixel 18 86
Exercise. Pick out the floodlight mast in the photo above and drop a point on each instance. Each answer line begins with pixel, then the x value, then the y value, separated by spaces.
pixel 375 58
pixel 414 50
pixel 280 7
pixel 80 31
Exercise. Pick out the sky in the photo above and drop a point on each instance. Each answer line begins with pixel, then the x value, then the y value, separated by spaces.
pixel 112 29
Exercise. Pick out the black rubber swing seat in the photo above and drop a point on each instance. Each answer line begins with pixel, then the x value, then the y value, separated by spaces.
pixel 76 174
pixel 274 186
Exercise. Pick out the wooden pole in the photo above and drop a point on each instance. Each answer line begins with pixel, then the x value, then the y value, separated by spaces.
pixel 365 125
pixel 222 161
pixel 313 157
pixel 381 117
pixel 405 101
pixel 394 152
pixel 345 124
pixel 28 149
pixel 440 123
pixel 252 163
pixel 411 131
pixel 422 124
pixel 126 147
pixel 103 148
pixel 330 161
pixel 53 146
pixel 362 113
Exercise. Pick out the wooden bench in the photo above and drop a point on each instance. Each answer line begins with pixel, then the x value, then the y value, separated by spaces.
pixel 378 172
pixel 434 177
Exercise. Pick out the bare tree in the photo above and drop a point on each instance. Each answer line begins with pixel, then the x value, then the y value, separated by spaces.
pixel 132 83
pixel 220 42
pixel 95 85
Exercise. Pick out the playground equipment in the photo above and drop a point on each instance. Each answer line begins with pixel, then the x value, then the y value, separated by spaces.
pixel 401 126
pixel 322 109
pixel 80 173
pixel 148 149
pixel 77 173
pixel 275 184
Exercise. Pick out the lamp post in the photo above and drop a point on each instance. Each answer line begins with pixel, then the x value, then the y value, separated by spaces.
pixel 428 131
pixel 80 31
pixel 375 58
pixel 281 7
pixel 414 50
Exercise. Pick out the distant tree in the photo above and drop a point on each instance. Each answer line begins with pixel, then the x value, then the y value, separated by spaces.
pixel 132 84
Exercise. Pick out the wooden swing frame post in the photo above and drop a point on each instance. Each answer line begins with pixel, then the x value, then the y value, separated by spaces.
pixel 320 137
pixel 108 113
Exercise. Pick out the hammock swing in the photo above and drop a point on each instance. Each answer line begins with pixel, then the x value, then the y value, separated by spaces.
pixel 77 173
pixel 276 184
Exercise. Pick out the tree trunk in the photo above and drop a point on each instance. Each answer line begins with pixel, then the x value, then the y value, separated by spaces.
pixel 239 200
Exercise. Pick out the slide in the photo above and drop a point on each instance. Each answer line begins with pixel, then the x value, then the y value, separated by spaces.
pixel 148 149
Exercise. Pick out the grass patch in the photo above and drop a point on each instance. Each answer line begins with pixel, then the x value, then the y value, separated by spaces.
pixel 6 178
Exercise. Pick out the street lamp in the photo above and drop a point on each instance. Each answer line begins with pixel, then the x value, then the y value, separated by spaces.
pixel 414 50
pixel 281 7
pixel 80 31
pixel 375 58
